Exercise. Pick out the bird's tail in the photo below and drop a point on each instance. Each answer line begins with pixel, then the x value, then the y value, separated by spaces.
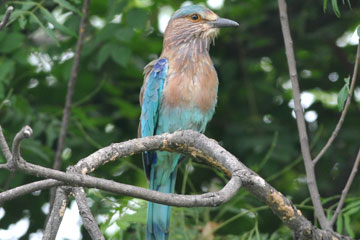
pixel 158 215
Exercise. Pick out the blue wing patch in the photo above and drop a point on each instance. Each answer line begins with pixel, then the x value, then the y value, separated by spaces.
pixel 150 107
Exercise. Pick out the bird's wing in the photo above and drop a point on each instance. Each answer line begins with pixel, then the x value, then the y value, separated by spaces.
pixel 150 99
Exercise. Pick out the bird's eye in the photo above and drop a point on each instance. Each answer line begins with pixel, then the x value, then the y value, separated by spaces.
pixel 195 17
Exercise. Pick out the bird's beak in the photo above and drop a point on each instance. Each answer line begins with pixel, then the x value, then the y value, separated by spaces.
pixel 223 23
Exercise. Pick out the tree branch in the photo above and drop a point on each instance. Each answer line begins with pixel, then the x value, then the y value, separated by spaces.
pixel 304 143
pixel 6 17
pixel 57 213
pixel 118 150
pixel 4 147
pixel 28 188
pixel 71 86
pixel 344 112
pixel 5 150
pixel 24 189
pixel 26 132
pixel 70 92
pixel 86 215
pixel 346 189
pixel 196 145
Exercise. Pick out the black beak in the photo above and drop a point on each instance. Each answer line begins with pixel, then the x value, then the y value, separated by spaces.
pixel 223 23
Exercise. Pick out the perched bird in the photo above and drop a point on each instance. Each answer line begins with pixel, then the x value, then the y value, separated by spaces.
pixel 179 92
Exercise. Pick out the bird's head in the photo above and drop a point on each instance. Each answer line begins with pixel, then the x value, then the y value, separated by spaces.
pixel 194 23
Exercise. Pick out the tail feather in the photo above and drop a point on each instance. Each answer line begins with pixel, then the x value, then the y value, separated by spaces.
pixel 158 215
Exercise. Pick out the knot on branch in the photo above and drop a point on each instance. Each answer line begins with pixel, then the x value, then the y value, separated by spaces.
pixel 27 131
pixel 215 197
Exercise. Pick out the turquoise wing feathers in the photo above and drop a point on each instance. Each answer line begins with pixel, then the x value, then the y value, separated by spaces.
pixel 150 106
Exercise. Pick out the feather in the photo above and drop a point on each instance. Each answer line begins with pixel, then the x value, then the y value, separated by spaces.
pixel 150 102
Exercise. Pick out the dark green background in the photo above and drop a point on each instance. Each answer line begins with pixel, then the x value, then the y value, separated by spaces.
pixel 252 120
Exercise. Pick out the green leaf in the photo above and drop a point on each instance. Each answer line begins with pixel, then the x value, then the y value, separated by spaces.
pixel 348 1
pixel 52 131
pixel 124 34
pixel 47 30
pixel 2 159
pixel 116 8
pixel 103 55
pixel 22 22
pixel 139 216
pixel 325 5
pixel 348 225
pixel 353 211
pixel 48 16
pixel 335 6
pixel 107 32
pixel 339 224
pixel 67 5
pixel 37 149
pixel 121 55
pixel 11 42
pixel 126 109
pixel 7 69
pixel 343 94
pixel 137 18
pixel 358 30
pixel 21 12
pixel 2 93
pixel 66 154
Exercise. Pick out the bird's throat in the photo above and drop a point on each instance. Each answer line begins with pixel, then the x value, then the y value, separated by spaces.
pixel 188 53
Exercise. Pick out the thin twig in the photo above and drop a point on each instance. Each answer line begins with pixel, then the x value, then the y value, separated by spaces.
pixel 346 189
pixel 6 17
pixel 344 112
pixel 71 86
pixel 28 188
pixel 4 147
pixel 70 92
pixel 304 142
pixel 25 132
pixel 8 181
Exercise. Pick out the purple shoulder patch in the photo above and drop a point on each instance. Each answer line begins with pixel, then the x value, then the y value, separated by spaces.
pixel 159 66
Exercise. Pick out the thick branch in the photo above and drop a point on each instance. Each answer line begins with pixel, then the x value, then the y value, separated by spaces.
pixel 305 149
pixel 197 145
pixel 86 215
pixel 344 112
pixel 208 199
pixel 162 142
pixel 6 17
pixel 57 213
pixel 346 189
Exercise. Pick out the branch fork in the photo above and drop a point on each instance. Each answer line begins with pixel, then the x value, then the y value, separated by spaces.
pixel 304 142
pixel 186 142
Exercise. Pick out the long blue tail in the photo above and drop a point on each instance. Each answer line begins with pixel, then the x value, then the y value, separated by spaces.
pixel 162 179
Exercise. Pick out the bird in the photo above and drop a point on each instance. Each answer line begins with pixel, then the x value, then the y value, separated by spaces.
pixel 179 92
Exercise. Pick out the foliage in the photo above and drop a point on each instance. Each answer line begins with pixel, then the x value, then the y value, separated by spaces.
pixel 253 118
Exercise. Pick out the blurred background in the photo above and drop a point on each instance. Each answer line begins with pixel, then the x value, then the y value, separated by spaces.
pixel 254 118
